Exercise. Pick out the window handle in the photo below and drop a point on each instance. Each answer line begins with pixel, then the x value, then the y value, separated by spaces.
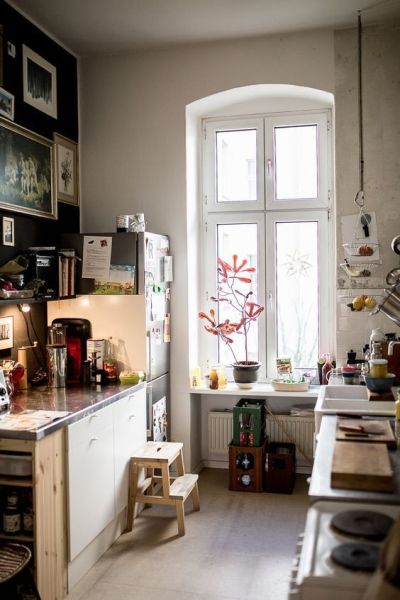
pixel 269 167
pixel 270 300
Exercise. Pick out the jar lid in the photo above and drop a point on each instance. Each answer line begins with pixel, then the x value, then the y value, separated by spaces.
pixel 348 369
pixel 378 361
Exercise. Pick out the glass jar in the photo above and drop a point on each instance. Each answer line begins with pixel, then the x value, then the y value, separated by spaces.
pixel 378 367
pixel 213 379
pixel 222 381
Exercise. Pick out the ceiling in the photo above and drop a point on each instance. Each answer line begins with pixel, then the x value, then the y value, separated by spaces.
pixel 114 26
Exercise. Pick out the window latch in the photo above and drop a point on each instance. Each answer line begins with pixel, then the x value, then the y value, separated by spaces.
pixel 269 167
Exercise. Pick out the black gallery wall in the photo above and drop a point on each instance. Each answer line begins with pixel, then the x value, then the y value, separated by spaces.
pixel 18 31
pixel 34 230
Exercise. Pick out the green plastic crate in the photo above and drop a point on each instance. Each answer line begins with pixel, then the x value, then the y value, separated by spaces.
pixel 249 422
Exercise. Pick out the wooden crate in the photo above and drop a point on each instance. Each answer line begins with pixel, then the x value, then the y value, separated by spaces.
pixel 280 467
pixel 246 468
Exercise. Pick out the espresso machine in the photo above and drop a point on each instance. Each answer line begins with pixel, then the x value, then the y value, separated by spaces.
pixel 77 332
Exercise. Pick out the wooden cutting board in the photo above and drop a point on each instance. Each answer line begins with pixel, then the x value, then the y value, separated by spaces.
pixel 377 432
pixel 361 467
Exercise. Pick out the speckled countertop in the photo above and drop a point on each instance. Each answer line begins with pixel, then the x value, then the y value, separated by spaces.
pixel 78 402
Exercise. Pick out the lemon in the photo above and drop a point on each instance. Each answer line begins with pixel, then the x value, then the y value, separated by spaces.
pixel 370 302
pixel 358 303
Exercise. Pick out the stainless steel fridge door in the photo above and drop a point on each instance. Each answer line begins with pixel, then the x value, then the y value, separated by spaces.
pixel 158 408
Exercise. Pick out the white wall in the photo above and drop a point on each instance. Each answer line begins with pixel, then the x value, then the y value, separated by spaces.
pixel 133 156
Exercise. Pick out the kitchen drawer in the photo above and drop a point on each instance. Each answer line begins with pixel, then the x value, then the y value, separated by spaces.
pixel 89 426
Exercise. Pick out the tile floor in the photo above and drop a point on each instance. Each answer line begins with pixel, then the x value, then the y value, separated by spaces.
pixel 240 546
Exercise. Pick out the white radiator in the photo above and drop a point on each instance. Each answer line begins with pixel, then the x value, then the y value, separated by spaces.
pixel 220 426
pixel 301 430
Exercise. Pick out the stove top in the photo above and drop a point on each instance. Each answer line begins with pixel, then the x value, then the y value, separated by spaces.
pixel 341 546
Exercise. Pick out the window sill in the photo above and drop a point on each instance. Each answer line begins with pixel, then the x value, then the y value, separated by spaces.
pixel 259 389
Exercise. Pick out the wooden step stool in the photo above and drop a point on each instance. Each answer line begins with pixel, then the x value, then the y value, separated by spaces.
pixel 164 488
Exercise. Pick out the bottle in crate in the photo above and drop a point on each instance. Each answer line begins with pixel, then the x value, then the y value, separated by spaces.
pixel 249 422
pixel 246 468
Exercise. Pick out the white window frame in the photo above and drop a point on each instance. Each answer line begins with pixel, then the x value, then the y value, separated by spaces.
pixel 322 120
pixel 324 277
pixel 266 212
pixel 210 129
pixel 209 347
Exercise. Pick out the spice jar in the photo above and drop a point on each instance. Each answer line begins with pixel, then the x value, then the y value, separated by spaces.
pixel 12 514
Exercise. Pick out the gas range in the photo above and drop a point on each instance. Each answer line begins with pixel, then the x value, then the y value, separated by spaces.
pixel 339 549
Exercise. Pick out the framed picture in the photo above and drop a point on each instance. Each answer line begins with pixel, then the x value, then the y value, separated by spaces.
pixel 39 82
pixel 26 171
pixel 8 231
pixel 6 104
pixel 67 170
pixel 6 333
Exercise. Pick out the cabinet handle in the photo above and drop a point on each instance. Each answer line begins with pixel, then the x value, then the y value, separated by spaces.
pixel 94 416
pixel 94 439
pixel 132 416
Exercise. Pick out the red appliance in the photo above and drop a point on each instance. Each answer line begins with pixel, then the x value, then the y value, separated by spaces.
pixel 77 333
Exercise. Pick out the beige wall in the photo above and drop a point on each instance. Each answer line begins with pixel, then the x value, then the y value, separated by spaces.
pixel 133 141
pixel 381 101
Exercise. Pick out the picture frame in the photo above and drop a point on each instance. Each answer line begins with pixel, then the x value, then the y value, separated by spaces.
pixel 6 333
pixel 39 82
pixel 6 104
pixel 67 169
pixel 8 231
pixel 26 171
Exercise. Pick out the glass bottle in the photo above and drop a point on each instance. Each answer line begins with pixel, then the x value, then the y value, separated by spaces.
pixel 12 514
pixel 326 369
pixel 213 380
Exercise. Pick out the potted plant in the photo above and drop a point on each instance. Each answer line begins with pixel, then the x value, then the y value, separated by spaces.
pixel 233 289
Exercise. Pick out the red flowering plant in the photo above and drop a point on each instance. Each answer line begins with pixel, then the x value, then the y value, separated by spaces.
pixel 231 290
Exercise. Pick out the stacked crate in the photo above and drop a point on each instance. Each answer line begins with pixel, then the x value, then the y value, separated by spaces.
pixel 248 448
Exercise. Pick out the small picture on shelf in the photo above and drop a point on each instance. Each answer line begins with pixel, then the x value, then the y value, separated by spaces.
pixel 121 281
pixel 6 333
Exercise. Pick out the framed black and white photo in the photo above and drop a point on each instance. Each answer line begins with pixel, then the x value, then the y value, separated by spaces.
pixel 67 170
pixel 6 104
pixel 26 171
pixel 39 82
pixel 8 231
pixel 6 333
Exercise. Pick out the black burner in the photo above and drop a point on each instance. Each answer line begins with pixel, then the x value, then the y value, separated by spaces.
pixel 365 524
pixel 357 557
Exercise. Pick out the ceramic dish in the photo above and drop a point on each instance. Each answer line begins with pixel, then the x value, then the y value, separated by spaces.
pixel 283 386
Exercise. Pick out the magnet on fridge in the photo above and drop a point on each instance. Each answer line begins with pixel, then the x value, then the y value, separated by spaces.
pixel 167 329
pixel 168 271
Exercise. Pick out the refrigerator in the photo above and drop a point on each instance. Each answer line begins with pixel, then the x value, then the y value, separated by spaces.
pixel 149 308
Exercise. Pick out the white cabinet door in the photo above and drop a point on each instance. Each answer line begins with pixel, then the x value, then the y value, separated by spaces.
pixel 90 478
pixel 129 435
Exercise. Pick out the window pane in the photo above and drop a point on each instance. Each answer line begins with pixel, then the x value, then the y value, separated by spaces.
pixel 240 239
pixel 297 292
pixel 296 162
pixel 236 165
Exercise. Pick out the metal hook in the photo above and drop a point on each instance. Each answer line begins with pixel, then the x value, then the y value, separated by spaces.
pixel 359 199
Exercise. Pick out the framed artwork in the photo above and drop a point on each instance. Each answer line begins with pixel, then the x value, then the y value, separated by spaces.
pixel 6 333
pixel 67 170
pixel 39 82
pixel 6 104
pixel 26 171
pixel 8 231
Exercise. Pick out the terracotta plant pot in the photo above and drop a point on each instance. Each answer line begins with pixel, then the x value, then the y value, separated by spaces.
pixel 245 374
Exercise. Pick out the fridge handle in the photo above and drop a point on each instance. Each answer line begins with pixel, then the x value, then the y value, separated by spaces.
pixel 149 405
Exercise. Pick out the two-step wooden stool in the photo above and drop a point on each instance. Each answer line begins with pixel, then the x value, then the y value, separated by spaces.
pixel 164 488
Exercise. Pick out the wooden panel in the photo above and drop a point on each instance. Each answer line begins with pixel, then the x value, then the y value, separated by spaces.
pixel 361 467
pixel 50 521
pixel 17 445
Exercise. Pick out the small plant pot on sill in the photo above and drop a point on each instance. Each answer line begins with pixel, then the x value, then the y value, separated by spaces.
pixel 245 374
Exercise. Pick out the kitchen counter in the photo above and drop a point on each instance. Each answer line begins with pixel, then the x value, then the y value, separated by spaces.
pixel 78 402
pixel 320 486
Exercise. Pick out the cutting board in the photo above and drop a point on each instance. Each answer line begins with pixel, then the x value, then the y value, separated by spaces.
pixel 361 467
pixel 377 432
